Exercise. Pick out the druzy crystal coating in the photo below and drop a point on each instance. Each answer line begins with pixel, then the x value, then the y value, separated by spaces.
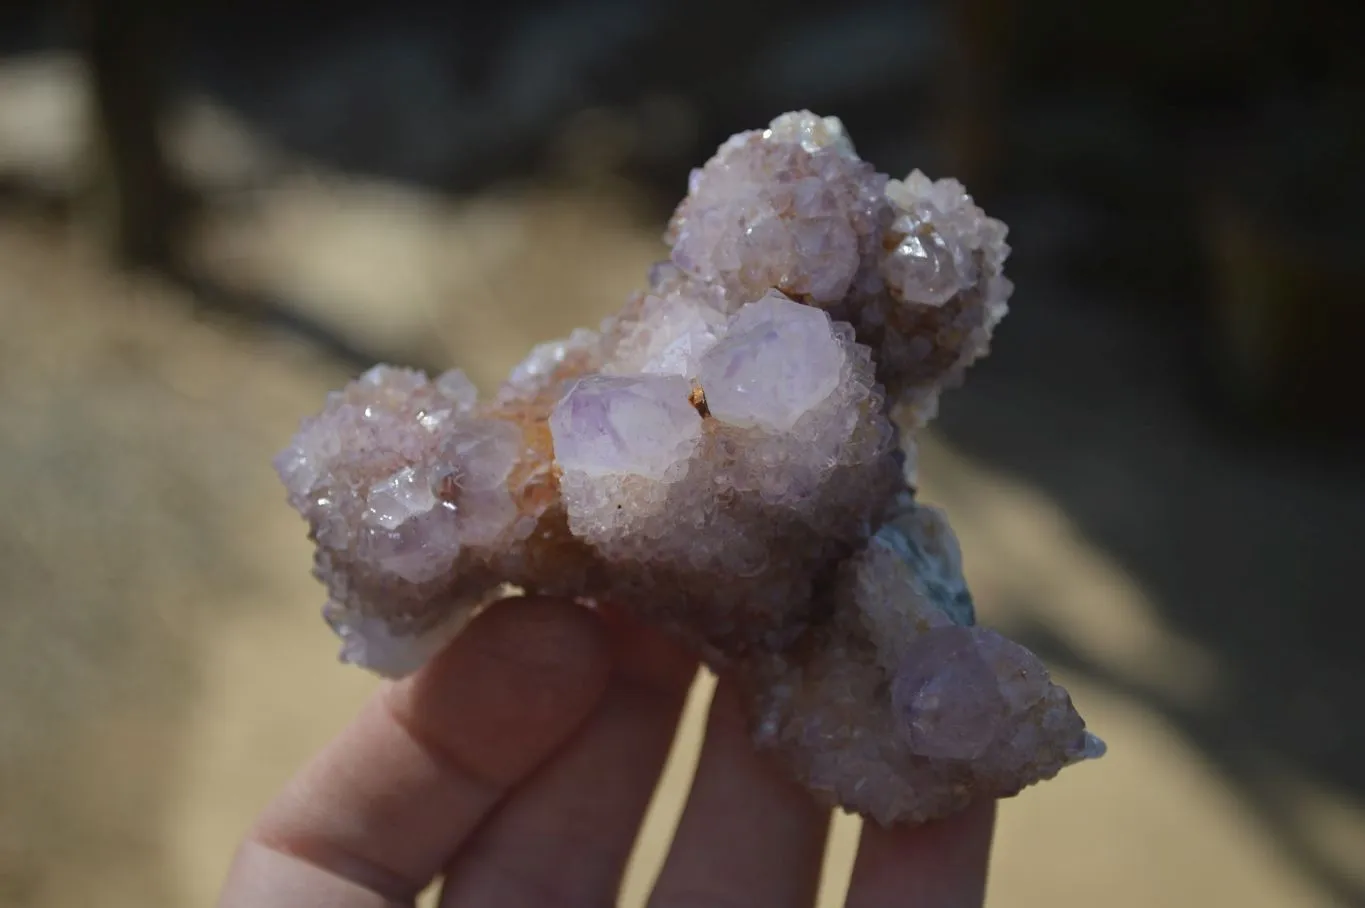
pixel 729 456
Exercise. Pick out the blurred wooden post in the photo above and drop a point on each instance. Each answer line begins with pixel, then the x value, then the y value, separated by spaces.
pixel 482 33
pixel 971 111
pixel 141 205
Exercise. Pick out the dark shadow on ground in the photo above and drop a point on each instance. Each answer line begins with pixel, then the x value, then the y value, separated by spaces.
pixel 1231 737
pixel 252 311
pixel 1248 547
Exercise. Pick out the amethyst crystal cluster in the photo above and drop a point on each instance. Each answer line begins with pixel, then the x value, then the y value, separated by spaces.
pixel 731 456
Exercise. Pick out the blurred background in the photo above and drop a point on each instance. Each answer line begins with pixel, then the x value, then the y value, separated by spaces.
pixel 211 213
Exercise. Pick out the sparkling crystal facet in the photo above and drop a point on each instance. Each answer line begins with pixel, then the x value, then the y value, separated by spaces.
pixel 778 362
pixel 642 425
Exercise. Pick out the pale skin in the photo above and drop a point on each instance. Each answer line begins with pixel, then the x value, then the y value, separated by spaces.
pixel 517 766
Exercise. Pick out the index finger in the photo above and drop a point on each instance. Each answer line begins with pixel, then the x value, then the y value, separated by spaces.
pixel 937 865
pixel 372 820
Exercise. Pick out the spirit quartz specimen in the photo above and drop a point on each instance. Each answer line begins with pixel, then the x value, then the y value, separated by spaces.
pixel 731 456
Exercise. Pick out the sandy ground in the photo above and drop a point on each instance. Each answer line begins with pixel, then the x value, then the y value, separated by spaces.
pixel 165 670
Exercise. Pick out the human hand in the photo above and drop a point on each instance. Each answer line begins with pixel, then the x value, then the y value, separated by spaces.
pixel 519 764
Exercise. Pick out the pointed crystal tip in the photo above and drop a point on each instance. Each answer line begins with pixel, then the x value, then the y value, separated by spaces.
pixel 1092 748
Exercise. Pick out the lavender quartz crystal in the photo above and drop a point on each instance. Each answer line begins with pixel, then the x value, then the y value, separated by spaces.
pixel 727 455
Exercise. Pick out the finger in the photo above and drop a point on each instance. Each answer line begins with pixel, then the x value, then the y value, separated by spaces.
pixel 565 836
pixel 379 812
pixel 749 835
pixel 937 865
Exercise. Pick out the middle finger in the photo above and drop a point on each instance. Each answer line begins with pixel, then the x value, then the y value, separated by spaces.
pixel 749 834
